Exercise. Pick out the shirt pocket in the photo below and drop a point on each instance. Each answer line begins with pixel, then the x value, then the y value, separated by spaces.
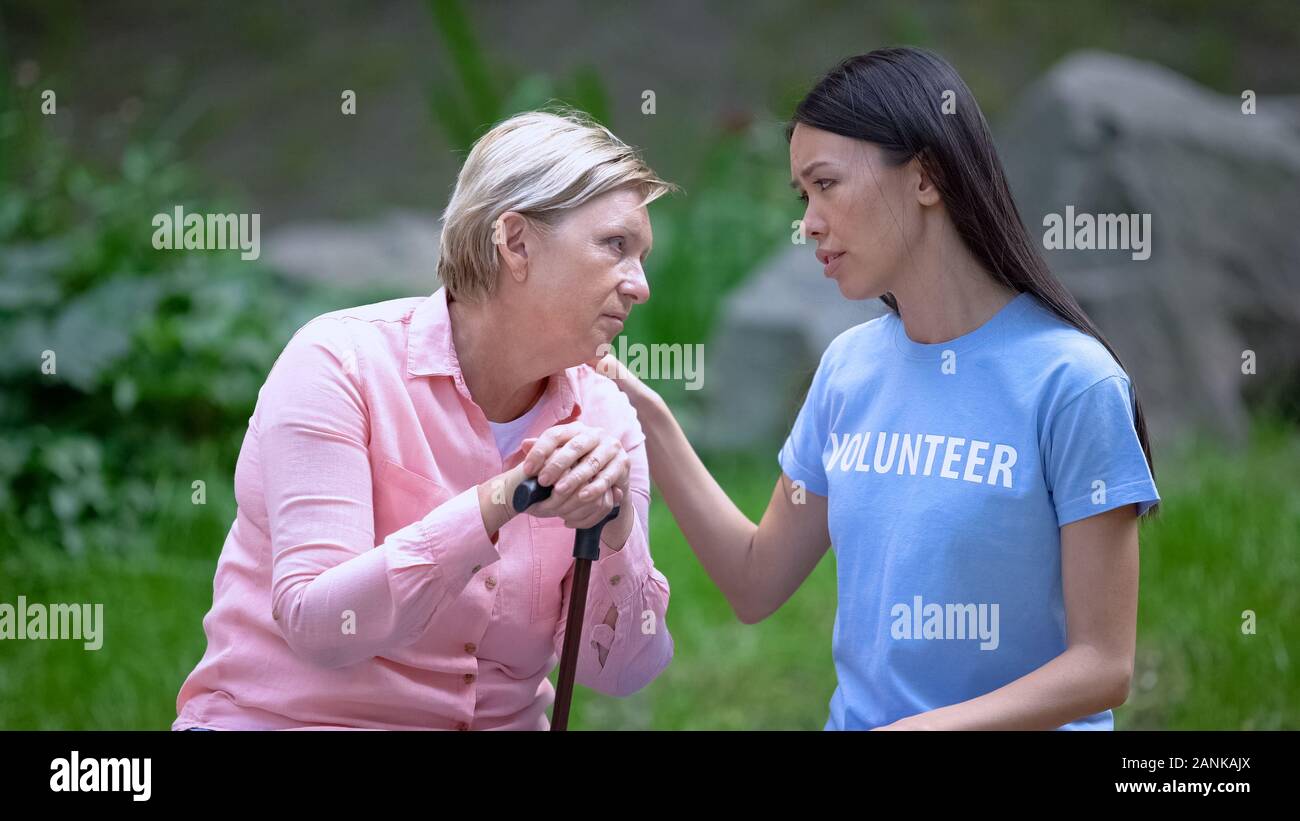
pixel 401 497
pixel 552 555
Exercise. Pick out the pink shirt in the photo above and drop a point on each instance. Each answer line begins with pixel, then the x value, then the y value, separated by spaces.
pixel 358 588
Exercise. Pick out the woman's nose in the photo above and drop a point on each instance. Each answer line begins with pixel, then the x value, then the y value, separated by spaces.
pixel 636 285
pixel 813 225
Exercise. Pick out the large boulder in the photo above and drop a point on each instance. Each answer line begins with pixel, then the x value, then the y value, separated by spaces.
pixel 770 336
pixel 1108 134
pixel 395 252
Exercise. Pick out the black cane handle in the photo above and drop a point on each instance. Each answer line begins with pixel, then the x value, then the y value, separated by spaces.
pixel 586 542
pixel 528 493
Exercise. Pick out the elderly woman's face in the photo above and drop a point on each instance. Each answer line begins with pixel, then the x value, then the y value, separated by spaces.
pixel 589 267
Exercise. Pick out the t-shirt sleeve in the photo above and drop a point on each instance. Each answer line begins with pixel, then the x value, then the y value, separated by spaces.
pixel 1093 458
pixel 801 455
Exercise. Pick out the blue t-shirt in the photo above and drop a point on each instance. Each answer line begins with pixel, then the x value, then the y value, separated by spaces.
pixel 949 469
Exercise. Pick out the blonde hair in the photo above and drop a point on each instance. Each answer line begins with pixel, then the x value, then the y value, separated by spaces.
pixel 539 164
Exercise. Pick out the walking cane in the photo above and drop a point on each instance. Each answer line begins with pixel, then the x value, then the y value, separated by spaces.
pixel 586 548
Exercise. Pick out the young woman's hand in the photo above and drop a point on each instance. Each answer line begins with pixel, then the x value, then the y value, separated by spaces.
pixel 756 568
pixel 637 392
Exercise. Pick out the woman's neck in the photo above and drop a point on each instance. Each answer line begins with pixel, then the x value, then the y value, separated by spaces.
pixel 946 293
pixel 502 377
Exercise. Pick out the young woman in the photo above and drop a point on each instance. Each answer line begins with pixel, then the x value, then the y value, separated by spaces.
pixel 976 457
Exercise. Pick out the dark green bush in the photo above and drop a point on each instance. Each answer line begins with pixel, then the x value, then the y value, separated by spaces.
pixel 158 354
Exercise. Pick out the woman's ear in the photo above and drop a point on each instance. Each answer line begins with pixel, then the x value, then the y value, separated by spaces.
pixel 927 193
pixel 508 235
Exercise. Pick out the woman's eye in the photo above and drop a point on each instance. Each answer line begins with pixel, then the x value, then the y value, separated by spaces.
pixel 617 242
pixel 821 184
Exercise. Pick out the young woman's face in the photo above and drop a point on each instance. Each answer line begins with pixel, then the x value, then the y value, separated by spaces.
pixel 862 212
pixel 590 267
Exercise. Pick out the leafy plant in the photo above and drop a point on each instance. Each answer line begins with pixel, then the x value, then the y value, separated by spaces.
pixel 474 101
pixel 119 363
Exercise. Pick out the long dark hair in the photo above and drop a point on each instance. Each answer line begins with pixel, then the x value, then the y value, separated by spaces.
pixel 895 98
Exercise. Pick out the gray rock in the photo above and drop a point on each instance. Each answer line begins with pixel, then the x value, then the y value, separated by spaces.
pixel 397 251
pixel 1108 134
pixel 769 339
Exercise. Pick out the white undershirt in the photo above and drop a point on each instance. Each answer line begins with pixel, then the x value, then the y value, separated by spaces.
pixel 510 435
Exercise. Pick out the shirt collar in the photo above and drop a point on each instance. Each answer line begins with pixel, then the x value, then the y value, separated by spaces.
pixel 430 351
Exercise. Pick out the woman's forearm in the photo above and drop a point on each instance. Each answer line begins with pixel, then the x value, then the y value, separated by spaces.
pixel 719 533
pixel 1079 682
pixel 387 594
pixel 495 500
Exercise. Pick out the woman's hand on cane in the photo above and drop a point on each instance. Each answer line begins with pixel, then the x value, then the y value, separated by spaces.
pixel 588 471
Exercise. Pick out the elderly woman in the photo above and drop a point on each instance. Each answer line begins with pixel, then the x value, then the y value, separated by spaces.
pixel 375 575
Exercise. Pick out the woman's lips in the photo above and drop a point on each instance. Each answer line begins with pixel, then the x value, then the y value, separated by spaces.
pixel 832 263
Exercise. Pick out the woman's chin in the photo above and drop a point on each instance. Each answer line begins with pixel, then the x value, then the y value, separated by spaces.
pixel 605 335
pixel 849 289
pixel 600 345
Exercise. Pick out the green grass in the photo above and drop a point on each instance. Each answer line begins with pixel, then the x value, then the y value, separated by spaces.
pixel 1228 540
pixel 726 675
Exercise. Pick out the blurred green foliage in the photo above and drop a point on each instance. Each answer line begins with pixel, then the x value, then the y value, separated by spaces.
pixel 473 101
pixel 157 356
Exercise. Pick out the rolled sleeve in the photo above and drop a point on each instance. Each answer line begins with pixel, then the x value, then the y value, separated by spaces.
pixel 455 534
